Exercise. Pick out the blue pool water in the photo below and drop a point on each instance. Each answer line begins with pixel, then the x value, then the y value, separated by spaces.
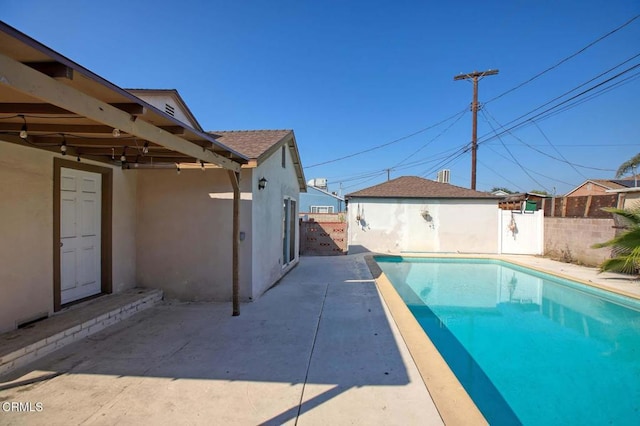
pixel 528 347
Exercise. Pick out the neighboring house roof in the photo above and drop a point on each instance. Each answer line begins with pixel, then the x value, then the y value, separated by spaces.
pixel 337 197
pixel 417 187
pixel 173 93
pixel 258 145
pixel 604 183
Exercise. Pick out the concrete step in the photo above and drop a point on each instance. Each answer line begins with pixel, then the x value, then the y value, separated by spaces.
pixel 22 346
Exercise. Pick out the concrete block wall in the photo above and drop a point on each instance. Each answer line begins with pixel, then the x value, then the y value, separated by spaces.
pixel 570 239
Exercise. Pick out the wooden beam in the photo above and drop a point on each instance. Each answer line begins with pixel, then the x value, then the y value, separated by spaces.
pixel 86 129
pixel 29 108
pixel 52 69
pixel 235 183
pixel 130 108
pixel 26 80
pixel 39 108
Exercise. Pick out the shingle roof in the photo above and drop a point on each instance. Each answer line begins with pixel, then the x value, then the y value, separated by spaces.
pixel 417 187
pixel 251 143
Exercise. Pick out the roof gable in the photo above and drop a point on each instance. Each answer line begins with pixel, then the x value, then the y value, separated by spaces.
pixel 258 145
pixel 417 187
pixel 603 183
pixel 168 101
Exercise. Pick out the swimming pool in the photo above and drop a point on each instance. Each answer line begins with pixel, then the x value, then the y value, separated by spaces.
pixel 528 347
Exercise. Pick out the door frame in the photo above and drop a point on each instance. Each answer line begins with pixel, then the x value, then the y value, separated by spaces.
pixel 105 226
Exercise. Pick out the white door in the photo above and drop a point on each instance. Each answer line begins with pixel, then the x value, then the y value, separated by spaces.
pixel 80 226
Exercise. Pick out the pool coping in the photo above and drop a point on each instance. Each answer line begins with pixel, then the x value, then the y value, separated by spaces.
pixel 452 401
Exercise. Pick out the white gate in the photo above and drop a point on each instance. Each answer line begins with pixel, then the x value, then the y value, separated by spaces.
pixel 520 233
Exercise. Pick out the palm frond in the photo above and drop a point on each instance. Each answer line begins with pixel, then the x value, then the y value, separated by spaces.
pixel 628 166
pixel 619 264
pixel 633 215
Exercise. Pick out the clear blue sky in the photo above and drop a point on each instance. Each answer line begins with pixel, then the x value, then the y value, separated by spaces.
pixel 348 76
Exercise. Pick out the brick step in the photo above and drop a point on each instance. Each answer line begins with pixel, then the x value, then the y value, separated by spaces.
pixel 23 346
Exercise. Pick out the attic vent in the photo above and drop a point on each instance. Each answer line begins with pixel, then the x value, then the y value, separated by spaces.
pixel 443 176
pixel 169 110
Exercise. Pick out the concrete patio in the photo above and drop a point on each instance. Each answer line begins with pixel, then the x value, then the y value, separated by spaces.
pixel 319 348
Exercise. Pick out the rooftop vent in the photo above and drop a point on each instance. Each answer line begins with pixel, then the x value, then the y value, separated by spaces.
pixel 320 183
pixel 170 110
pixel 444 175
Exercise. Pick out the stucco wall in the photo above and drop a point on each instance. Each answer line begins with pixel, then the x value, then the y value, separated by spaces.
pixel 632 200
pixel 26 226
pixel 396 225
pixel 570 239
pixel 184 238
pixel 267 220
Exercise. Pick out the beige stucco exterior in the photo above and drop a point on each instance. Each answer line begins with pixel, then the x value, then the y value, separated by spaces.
pixel 26 226
pixel 267 220
pixel 184 235
pixel 169 231
pixel 394 225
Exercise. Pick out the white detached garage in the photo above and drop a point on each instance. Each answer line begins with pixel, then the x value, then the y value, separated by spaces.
pixel 412 214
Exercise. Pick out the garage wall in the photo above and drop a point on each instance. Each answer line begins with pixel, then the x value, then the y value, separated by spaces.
pixel 184 234
pixel 26 226
pixel 394 225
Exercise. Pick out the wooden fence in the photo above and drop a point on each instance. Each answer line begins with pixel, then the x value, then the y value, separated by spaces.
pixel 587 206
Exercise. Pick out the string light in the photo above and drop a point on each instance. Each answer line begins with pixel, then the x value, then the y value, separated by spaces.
pixel 63 147
pixel 116 133
pixel 78 159
pixel 123 157
pixel 23 130
pixel 202 165
pixel 178 168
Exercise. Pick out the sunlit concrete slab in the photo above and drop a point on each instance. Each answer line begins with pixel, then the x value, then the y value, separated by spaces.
pixel 318 348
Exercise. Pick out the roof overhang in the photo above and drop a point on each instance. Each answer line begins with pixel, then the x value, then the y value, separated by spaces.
pixel 624 190
pixel 290 140
pixel 60 102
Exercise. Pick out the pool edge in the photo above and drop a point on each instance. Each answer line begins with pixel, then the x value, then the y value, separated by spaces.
pixel 501 258
pixel 452 401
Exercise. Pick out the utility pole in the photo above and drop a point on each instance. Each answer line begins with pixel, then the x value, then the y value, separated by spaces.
pixel 474 76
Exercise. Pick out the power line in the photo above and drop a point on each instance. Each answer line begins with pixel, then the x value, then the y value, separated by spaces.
pixel 461 114
pixel 555 179
pixel 493 170
pixel 384 144
pixel 562 160
pixel 565 59
pixel 556 150
pixel 548 110
pixel 510 153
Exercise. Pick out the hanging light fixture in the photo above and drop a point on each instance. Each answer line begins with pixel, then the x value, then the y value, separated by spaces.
pixel 123 157
pixel 202 165
pixel 23 130
pixel 63 146
pixel 178 168
pixel 145 148
pixel 116 133
pixel 262 183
